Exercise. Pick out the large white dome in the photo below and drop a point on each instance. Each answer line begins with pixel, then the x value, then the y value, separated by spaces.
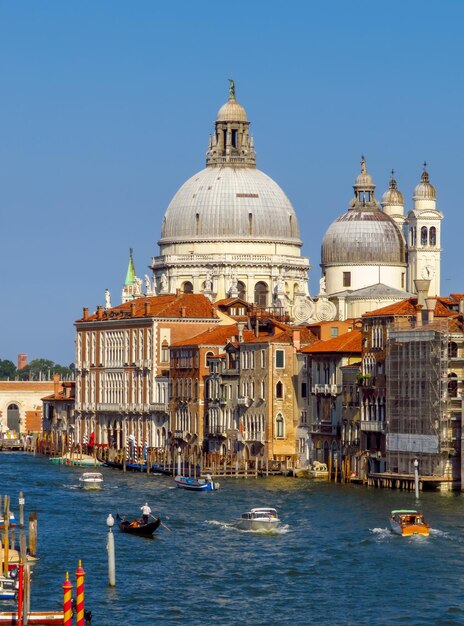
pixel 230 204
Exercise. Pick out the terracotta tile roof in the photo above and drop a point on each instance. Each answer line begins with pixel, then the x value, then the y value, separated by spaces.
pixel 229 301
pixel 284 334
pixel 457 296
pixel 217 336
pixel 184 305
pixel 407 307
pixel 348 342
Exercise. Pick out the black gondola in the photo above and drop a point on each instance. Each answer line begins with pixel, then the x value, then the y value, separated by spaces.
pixel 137 527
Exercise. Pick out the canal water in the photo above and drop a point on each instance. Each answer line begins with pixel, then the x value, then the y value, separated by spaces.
pixel 333 562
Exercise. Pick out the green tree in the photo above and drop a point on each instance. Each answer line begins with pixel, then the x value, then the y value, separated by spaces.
pixel 7 369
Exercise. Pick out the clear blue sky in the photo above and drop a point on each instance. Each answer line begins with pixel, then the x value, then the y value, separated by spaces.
pixel 106 108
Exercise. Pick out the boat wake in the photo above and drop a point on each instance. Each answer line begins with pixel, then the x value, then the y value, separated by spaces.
pixel 381 533
pixel 232 526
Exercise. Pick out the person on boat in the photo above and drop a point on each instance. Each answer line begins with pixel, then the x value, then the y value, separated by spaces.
pixel 145 512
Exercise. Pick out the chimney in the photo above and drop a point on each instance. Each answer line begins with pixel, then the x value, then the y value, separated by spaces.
pixel 422 289
pixel 132 309
pixel 183 311
pixel 296 339
pixel 85 312
pixel 22 361
pixel 419 308
pixel 99 312
pixel 147 308
pixel 430 303
pixel 56 384
pixel 178 292
pixel 461 306
pixel 257 328
pixel 240 327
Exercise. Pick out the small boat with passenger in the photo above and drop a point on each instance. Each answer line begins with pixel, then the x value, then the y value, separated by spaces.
pixel 194 484
pixel 259 519
pixel 91 480
pixel 137 526
pixel 408 522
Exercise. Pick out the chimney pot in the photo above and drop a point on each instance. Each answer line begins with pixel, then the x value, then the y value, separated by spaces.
pixel 147 309
pixel 132 309
pixel 85 312
pixel 99 312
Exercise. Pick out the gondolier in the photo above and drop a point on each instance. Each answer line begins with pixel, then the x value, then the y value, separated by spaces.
pixel 145 512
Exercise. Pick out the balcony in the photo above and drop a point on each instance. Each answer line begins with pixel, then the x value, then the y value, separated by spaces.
pixel 327 389
pixel 217 431
pixel 324 428
pixel 109 407
pixel 371 426
pixel 251 436
pixel 244 401
pixel 181 434
pixel 158 407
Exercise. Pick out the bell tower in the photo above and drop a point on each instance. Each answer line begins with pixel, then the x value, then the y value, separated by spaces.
pixel 424 236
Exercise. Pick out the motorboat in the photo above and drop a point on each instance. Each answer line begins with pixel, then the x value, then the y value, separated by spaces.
pixel 91 480
pixel 82 460
pixel 194 484
pixel 408 522
pixel 9 585
pixel 11 522
pixel 259 519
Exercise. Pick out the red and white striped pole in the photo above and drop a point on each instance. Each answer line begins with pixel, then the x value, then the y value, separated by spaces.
pixel 67 602
pixel 80 575
pixel 20 592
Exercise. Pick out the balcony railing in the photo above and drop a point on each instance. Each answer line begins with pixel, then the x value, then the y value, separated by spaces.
pixel 219 431
pixel 324 429
pixel 244 401
pixel 158 407
pixel 372 426
pixel 327 389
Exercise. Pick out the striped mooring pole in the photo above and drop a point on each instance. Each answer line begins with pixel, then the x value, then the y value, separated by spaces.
pixel 80 575
pixel 67 602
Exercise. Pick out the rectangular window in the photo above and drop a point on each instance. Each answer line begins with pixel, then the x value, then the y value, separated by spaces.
pixel 347 279
pixel 334 331
pixel 303 390
pixel 279 358
pixel 263 359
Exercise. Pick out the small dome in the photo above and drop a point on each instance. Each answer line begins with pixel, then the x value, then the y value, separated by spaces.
pixel 232 111
pixel 364 179
pixel 425 190
pixel 392 197
pixel 365 238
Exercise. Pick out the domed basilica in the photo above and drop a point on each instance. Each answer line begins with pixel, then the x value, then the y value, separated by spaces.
pixel 230 231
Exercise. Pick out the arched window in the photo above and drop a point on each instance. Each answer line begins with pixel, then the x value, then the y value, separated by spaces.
pixel 280 426
pixel 165 352
pixel 411 236
pixel 241 290
pixel 452 350
pixel 453 385
pixel 187 287
pixel 433 236
pixel 207 357
pixel 424 236
pixel 12 417
pixel 261 291
pixel 279 390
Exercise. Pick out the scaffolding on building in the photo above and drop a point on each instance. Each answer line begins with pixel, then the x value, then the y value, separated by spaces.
pixel 417 425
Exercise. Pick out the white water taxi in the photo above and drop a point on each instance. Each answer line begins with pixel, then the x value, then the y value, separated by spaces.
pixel 91 480
pixel 259 519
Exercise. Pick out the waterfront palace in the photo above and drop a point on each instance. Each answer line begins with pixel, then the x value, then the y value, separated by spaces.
pixel 222 349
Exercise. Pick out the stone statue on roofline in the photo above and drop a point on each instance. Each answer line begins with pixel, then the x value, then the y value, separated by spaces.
pixel 107 299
